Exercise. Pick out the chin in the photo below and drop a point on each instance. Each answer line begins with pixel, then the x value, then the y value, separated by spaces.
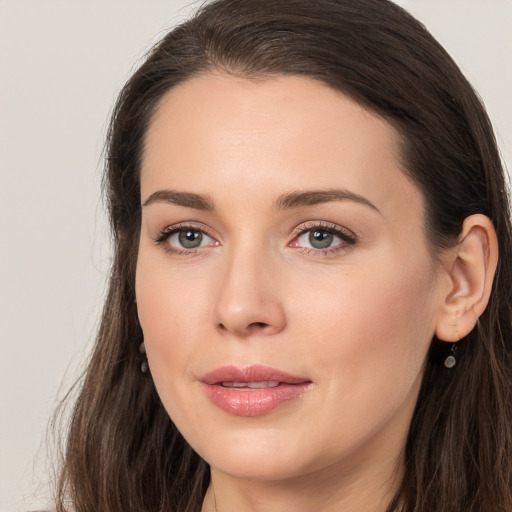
pixel 259 467
pixel 259 454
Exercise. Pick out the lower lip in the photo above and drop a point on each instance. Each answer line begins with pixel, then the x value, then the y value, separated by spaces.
pixel 253 402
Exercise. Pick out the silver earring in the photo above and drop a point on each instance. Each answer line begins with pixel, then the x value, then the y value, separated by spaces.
pixel 144 364
pixel 450 361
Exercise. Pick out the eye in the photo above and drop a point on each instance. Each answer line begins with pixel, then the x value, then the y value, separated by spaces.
pixel 184 239
pixel 323 238
pixel 318 239
pixel 189 239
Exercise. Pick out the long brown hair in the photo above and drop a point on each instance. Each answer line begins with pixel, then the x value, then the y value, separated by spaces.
pixel 123 452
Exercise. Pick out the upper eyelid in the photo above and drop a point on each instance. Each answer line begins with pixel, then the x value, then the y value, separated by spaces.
pixel 328 226
pixel 197 226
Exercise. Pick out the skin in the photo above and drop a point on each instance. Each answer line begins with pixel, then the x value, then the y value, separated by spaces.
pixel 356 319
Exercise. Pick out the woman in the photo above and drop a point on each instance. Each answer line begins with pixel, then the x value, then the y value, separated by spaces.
pixel 308 206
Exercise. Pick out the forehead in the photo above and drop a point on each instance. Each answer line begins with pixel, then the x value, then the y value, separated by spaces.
pixel 215 132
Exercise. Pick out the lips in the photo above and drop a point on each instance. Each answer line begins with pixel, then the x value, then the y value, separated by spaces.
pixel 254 390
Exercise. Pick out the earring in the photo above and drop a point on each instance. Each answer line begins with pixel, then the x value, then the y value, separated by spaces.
pixel 144 364
pixel 450 360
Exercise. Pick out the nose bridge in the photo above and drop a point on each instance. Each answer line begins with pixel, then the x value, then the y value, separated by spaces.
pixel 248 296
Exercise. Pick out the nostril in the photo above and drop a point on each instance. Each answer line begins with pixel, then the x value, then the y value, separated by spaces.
pixel 256 326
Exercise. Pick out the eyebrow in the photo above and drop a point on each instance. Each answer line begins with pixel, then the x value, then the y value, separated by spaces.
pixel 186 199
pixel 289 200
pixel 312 197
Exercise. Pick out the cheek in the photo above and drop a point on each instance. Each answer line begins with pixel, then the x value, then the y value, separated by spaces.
pixel 171 311
pixel 390 315
pixel 373 334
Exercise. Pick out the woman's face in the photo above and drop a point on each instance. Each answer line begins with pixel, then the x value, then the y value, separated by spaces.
pixel 284 284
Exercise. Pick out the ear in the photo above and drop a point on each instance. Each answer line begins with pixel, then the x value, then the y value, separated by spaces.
pixel 470 266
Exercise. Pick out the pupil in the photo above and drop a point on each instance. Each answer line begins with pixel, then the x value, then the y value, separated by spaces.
pixel 190 239
pixel 320 239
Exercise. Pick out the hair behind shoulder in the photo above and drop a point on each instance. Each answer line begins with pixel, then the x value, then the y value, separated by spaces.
pixel 123 451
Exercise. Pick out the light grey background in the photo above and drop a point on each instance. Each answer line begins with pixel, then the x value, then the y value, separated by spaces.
pixel 61 64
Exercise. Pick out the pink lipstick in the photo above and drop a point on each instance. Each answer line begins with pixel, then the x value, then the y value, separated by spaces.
pixel 252 391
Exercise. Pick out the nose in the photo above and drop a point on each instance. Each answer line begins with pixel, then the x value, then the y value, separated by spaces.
pixel 250 298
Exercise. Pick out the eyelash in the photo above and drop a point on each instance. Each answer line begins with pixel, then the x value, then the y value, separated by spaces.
pixel 165 234
pixel 348 238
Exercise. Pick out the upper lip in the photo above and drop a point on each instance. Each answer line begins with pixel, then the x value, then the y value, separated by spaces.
pixel 253 373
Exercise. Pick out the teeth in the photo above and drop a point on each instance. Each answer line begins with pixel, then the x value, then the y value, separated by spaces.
pixel 234 384
pixel 251 385
pixel 265 384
